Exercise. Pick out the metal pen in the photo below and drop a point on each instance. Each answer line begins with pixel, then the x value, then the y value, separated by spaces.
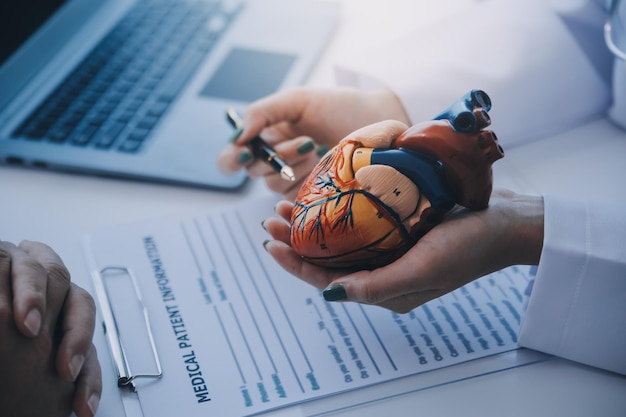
pixel 262 150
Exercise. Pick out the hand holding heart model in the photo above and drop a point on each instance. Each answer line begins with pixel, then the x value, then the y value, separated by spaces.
pixel 372 197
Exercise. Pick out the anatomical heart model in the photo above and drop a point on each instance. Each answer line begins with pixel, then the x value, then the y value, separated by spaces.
pixel 364 207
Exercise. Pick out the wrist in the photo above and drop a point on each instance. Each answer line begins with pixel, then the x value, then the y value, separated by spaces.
pixel 389 105
pixel 527 227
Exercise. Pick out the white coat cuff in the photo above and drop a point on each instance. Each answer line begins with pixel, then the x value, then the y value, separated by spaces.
pixel 577 308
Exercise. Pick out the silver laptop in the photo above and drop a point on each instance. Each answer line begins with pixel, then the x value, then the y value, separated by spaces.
pixel 139 88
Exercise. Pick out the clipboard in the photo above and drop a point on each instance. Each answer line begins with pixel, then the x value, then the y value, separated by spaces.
pixel 126 375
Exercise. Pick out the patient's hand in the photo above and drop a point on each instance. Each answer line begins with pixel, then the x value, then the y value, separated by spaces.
pixel 48 364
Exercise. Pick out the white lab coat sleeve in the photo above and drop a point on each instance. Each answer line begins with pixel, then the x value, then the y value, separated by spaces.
pixel 520 52
pixel 577 307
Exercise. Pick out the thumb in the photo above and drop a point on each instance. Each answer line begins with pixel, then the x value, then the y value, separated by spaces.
pixel 412 272
pixel 378 135
pixel 284 106
pixel 369 287
pixel 393 287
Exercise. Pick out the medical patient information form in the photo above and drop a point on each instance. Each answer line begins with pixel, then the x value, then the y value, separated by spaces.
pixel 236 335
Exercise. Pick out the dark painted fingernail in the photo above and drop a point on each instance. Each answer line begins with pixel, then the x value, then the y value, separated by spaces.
pixel 335 293
pixel 236 134
pixel 263 225
pixel 265 245
pixel 321 150
pixel 305 147
pixel 244 156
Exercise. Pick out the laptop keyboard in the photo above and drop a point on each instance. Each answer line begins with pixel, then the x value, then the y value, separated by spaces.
pixel 122 89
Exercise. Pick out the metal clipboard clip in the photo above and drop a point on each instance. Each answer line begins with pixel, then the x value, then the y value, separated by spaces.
pixel 125 376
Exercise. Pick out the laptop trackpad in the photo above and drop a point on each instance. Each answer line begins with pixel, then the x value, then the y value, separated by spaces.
pixel 248 74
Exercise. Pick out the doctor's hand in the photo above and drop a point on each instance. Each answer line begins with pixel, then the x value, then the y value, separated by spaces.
pixel 301 124
pixel 465 246
pixel 48 364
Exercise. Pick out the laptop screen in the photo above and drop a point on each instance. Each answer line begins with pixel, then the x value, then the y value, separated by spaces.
pixel 20 19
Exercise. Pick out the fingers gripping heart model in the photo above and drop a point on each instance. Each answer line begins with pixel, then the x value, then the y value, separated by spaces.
pixel 364 206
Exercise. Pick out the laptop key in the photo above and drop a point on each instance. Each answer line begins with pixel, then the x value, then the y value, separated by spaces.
pixel 130 145
pixel 60 133
pixel 147 122
pixel 108 136
pixel 84 136
pixel 158 108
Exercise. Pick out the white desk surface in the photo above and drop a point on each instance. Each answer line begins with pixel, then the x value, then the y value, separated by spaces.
pixel 59 208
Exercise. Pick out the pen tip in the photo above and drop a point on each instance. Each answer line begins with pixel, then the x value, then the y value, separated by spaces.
pixel 287 173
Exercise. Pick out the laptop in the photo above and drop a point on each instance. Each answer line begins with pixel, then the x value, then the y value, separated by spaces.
pixel 139 88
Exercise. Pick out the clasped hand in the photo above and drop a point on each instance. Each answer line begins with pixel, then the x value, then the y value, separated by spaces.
pixel 48 364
